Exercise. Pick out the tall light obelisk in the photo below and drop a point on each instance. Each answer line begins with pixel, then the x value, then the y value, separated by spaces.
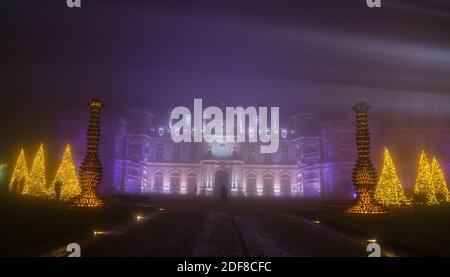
pixel 91 168
pixel 364 174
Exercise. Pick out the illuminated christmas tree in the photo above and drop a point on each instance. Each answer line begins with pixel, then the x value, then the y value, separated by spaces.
pixel 439 184
pixel 364 174
pixel 65 185
pixel 36 183
pixel 389 191
pixel 423 190
pixel 91 169
pixel 20 174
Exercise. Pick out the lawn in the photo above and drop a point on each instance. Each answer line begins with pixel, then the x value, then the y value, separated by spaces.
pixel 420 230
pixel 31 226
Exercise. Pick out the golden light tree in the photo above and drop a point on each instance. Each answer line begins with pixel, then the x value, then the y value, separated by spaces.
pixel 364 174
pixel 439 184
pixel 424 192
pixel 66 186
pixel 91 168
pixel 20 174
pixel 389 191
pixel 36 183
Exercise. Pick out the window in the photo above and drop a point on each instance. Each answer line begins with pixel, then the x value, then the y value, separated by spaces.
pixel 192 152
pixel 268 184
pixel 284 153
pixel 192 183
pixel 134 149
pixel 310 154
pixel 159 151
pixel 176 152
pixel 251 184
pixel 175 182
pixel 158 183
pixel 251 152
pixel 285 184
pixel 268 158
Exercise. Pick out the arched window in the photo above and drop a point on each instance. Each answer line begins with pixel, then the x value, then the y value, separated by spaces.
pixel 134 149
pixel 310 153
pixel 285 184
pixel 311 175
pixel 175 182
pixel 309 150
pixel 268 184
pixel 158 181
pixel 192 183
pixel 250 184
pixel 284 153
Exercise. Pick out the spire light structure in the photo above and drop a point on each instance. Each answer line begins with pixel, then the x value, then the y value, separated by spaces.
pixel 91 168
pixel 364 174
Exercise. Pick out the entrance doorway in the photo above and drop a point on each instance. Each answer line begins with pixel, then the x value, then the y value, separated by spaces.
pixel 221 178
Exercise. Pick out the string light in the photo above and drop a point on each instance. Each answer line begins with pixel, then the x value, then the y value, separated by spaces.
pixel 364 174
pixel 389 191
pixel 91 169
pixel 424 190
pixel 67 178
pixel 439 184
pixel 20 174
pixel 36 183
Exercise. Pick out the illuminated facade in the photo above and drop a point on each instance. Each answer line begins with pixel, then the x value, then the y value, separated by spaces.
pixel 149 162
pixel 315 157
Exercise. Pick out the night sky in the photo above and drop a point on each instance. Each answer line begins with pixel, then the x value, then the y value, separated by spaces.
pixel 313 56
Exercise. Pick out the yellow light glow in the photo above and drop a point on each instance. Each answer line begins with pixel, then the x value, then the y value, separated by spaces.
pixel 36 184
pixel 364 174
pixel 66 178
pixel 389 190
pixel 139 218
pixel 424 192
pixel 316 221
pixel 439 183
pixel 20 175
pixel 91 169
pixel 97 233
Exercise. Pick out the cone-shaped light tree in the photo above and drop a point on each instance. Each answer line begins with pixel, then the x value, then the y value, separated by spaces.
pixel 65 185
pixel 20 174
pixel 364 174
pixel 36 184
pixel 423 190
pixel 439 184
pixel 389 191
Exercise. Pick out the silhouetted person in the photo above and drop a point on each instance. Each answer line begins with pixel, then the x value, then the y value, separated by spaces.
pixel 58 185
pixel 224 193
